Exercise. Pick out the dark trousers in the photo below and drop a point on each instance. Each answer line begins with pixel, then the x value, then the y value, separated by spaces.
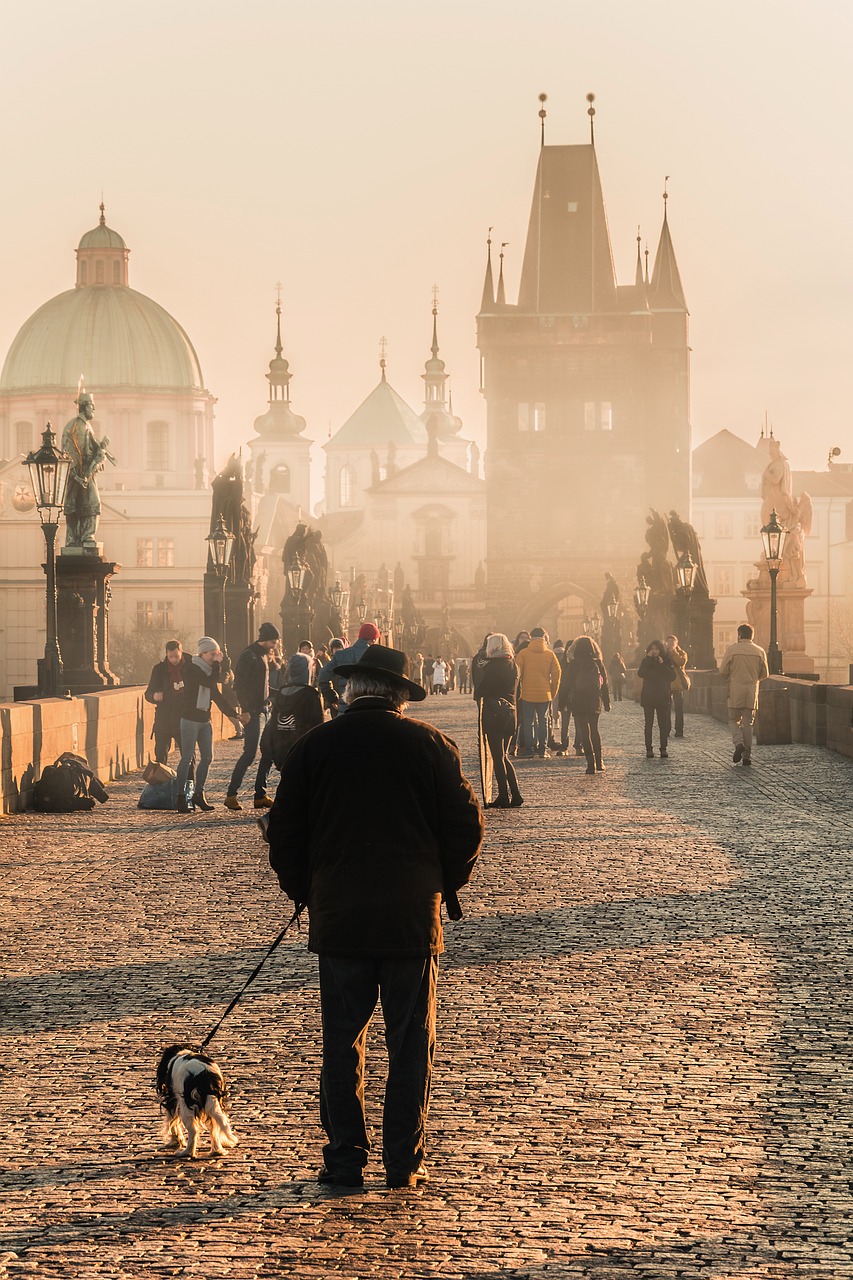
pixel 349 989
pixel 662 711
pixel 587 727
pixel 616 688
pixel 505 775
pixel 166 731
pixel 251 737
pixel 678 711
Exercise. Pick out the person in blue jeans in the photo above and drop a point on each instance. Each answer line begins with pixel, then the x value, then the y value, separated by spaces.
pixel 201 691
pixel 252 690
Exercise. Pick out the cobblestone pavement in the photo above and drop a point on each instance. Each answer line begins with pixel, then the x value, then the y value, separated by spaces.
pixel 644 1062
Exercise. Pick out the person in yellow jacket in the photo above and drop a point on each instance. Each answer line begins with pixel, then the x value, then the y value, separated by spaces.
pixel 539 672
pixel 743 667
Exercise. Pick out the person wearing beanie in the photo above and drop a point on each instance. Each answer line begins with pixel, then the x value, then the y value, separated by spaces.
pixel 332 685
pixel 252 690
pixel 297 708
pixel 201 679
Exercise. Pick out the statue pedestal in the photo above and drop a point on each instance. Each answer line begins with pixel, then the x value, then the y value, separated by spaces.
pixel 82 619
pixel 239 619
pixel 700 633
pixel 790 622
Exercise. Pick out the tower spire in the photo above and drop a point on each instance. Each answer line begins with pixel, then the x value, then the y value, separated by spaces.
pixel 543 98
pixel 590 97
pixel 434 375
pixel 278 346
pixel 487 303
pixel 383 351
pixel 434 347
pixel 501 298
pixel 667 291
pixel 638 275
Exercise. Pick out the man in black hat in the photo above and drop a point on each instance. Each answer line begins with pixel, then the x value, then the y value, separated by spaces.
pixel 252 691
pixel 373 825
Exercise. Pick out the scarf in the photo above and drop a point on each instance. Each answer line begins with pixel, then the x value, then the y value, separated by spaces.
pixel 203 699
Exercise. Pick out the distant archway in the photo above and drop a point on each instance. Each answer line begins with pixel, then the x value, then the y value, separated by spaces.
pixel 543 608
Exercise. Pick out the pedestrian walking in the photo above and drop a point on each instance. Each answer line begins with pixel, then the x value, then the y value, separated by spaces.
pixel 439 675
pixel 539 673
pixel 332 685
pixel 563 703
pixel 617 671
pixel 681 684
pixel 252 690
pixel 589 691
pixel 418 668
pixel 497 689
pixel 166 692
pixel 296 709
pixel 657 674
pixel 201 689
pixel 743 667
pixel 374 824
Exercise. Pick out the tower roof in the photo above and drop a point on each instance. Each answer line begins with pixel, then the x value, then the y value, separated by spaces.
pixel 568 261
pixel 666 292
pixel 383 418
pixel 487 302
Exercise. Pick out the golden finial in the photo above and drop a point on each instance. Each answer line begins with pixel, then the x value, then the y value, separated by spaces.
pixel 543 98
pixel 665 194
pixel 435 298
pixel 590 97
pixel 383 351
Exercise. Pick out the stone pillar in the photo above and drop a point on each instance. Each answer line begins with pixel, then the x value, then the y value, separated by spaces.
pixel 701 633
pixel 239 618
pixel 790 620
pixel 83 601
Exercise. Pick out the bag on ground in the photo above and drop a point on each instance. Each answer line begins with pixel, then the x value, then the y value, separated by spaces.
pixel 159 795
pixel 67 785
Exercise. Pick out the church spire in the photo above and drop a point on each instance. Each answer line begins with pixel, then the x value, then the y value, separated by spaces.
pixel 487 305
pixel 639 278
pixel 667 293
pixel 279 375
pixel 501 298
pixel 434 376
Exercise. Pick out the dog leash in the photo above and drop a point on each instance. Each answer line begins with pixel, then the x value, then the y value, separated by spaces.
pixel 294 919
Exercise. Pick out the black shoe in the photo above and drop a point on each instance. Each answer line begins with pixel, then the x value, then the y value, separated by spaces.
pixel 650 755
pixel 329 1179
pixel 599 767
pixel 502 802
pixel 664 755
pixel 738 753
pixel 560 754
pixel 516 802
pixel 200 802
pixel 747 760
pixel 415 1179
pixel 590 768
pixel 181 805
pixel 678 735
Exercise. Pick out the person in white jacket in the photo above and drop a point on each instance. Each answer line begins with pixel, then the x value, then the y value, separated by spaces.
pixel 743 667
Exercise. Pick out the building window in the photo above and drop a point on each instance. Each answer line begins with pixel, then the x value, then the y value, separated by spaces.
pixel 158 446
pixel 280 479
pixel 606 416
pixel 23 437
pixel 144 614
pixel 164 615
pixel 144 553
pixel 84 272
pixel 723 582
pixel 589 416
pixel 345 486
pixel 116 272
pixel 99 273
pixel 725 637
pixel 598 416
pixel 723 524
pixel 165 553
pixel 752 525
pixel 531 417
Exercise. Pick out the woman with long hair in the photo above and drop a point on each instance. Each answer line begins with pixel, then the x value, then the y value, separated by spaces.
pixel 496 687
pixel 588 692
pixel 657 673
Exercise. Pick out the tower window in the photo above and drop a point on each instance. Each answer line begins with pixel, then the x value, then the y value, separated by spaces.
pixel 116 272
pixel 99 273
pixel 84 272
pixel 531 417
pixel 280 479
pixel 23 437
pixel 345 486
pixel 157 441
pixel 598 415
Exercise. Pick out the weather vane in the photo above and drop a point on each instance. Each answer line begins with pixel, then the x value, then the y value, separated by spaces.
pixel 543 98
pixel 590 97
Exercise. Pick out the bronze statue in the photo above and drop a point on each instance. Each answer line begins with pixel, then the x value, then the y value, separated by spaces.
pixel 794 514
pixel 228 503
pixel 658 570
pixel 611 593
pixel 684 538
pixel 88 455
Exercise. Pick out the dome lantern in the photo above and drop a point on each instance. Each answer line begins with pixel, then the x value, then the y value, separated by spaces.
pixel 101 256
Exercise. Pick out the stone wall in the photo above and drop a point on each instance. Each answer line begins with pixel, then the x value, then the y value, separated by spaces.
pixel 112 729
pixel 789 710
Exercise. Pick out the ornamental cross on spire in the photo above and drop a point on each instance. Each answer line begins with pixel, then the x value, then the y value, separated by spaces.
pixel 435 299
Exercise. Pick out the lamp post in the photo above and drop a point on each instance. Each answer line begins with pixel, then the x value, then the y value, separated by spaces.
pixel 361 609
pixel 221 543
pixel 641 600
pixel 773 538
pixel 48 468
pixel 296 577
pixel 685 572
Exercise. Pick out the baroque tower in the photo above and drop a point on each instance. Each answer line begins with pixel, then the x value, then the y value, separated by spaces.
pixel 587 391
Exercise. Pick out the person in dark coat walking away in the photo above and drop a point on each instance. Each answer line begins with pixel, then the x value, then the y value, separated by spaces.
pixel 588 692
pixel 373 824
pixel 166 691
pixel 252 690
pixel 656 672
pixel 297 708
pixel 497 687
pixel 331 683
pixel 201 681
pixel 617 672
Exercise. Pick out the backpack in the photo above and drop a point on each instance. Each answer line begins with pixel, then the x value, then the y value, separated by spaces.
pixel 587 682
pixel 67 785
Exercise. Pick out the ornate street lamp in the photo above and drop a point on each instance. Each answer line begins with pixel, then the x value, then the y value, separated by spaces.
pixel 336 594
pixel 48 468
pixel 773 538
pixel 641 599
pixel 221 543
pixel 612 608
pixel 361 609
pixel 685 571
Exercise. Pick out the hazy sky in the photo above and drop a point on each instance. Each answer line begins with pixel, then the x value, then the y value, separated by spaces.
pixel 358 152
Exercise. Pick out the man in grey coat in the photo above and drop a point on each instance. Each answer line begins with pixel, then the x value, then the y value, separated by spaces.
pixel 743 667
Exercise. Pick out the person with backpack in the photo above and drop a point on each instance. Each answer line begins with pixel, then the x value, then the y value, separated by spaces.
pixel 201 690
pixel 657 674
pixel 297 708
pixel 588 692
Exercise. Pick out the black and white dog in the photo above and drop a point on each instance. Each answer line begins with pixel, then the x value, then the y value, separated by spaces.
pixel 192 1092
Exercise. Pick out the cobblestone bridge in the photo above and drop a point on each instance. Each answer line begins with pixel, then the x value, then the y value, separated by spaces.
pixel 644 1061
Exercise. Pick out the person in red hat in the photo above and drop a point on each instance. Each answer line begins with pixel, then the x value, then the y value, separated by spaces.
pixel 330 682
pixel 374 824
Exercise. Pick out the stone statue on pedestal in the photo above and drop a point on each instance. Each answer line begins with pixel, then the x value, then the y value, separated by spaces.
pixel 794 514
pixel 88 455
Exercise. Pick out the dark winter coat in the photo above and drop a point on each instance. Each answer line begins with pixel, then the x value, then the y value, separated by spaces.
pixel 328 678
pixel 194 680
pixel 497 686
pixel 169 709
pixel 297 708
pixel 252 679
pixel 587 686
pixel 373 822
pixel 657 681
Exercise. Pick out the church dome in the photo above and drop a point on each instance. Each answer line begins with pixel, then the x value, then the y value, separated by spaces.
pixel 117 338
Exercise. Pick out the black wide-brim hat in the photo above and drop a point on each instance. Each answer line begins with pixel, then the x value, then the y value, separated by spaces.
pixel 391 664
